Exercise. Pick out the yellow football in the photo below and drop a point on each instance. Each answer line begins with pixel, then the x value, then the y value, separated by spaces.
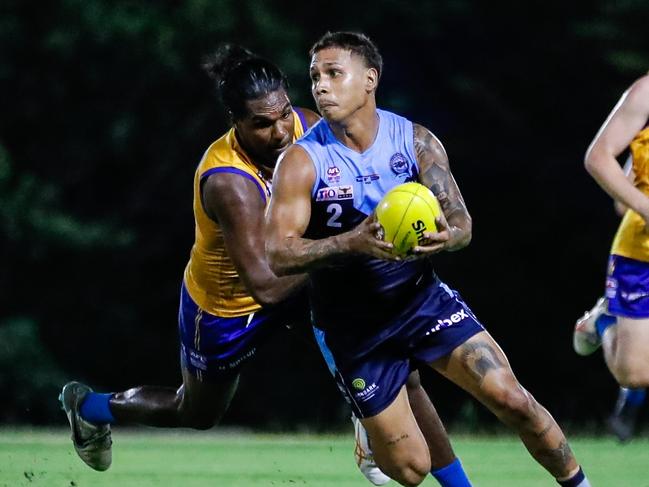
pixel 405 213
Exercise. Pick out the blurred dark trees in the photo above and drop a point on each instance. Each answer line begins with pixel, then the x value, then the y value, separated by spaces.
pixel 104 114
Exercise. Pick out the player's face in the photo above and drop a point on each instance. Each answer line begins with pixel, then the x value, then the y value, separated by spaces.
pixel 340 82
pixel 267 129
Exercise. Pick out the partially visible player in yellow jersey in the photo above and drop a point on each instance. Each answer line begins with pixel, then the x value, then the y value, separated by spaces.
pixel 221 277
pixel 620 320
pixel 230 299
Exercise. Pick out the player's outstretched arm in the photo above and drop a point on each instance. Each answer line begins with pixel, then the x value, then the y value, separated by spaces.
pixel 454 228
pixel 620 208
pixel 288 217
pixel 629 116
pixel 235 203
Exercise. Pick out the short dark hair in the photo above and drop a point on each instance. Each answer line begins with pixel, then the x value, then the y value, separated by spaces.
pixel 240 75
pixel 356 42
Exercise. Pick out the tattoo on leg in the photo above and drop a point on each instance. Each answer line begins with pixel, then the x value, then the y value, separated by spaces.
pixel 545 430
pixel 397 440
pixel 555 459
pixel 479 358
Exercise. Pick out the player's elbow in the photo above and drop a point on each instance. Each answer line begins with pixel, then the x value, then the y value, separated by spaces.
pixel 466 234
pixel 620 208
pixel 589 164
pixel 265 288
pixel 274 257
pixel 265 295
pixel 593 161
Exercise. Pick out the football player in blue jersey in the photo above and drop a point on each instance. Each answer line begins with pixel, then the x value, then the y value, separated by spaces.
pixel 376 314
pixel 230 297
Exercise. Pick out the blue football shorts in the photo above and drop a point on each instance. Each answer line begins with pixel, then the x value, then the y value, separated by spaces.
pixel 627 287
pixel 213 347
pixel 370 371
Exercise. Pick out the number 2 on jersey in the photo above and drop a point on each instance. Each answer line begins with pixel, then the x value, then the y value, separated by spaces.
pixel 336 210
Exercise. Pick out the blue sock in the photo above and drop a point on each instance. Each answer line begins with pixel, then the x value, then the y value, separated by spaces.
pixel 96 408
pixel 634 397
pixel 603 322
pixel 577 480
pixel 453 475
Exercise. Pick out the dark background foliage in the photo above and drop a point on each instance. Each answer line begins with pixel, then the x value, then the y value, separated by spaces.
pixel 104 113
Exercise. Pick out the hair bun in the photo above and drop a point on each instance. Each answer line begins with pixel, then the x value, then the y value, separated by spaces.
pixel 227 57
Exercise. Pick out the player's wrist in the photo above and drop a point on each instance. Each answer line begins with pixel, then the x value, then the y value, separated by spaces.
pixel 343 243
pixel 458 238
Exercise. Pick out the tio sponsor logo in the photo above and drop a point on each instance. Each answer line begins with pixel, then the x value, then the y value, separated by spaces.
pixel 335 193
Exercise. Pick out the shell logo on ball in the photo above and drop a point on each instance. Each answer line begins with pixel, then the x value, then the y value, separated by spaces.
pixel 405 213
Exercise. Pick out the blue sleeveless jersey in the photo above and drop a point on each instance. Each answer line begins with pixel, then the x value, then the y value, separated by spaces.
pixel 359 291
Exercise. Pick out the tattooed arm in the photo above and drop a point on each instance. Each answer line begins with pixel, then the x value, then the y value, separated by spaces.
pixel 288 218
pixel 454 227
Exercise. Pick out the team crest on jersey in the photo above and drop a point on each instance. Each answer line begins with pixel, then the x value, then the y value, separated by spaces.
pixel 399 164
pixel 335 193
pixel 333 174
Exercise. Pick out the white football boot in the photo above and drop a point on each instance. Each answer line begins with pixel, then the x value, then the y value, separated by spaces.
pixel 91 442
pixel 364 457
pixel 585 339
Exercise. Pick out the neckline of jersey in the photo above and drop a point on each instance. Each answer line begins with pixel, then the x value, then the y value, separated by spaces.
pixel 374 143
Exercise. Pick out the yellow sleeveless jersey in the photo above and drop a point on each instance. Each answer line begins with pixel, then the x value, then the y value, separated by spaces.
pixel 210 276
pixel 632 240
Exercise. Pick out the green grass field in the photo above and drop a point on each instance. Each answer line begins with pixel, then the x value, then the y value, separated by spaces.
pixel 145 458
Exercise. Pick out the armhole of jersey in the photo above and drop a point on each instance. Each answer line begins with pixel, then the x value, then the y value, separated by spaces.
pixel 300 115
pixel 231 170
pixel 410 144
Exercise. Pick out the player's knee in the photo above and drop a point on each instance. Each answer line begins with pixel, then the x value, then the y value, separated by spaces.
pixel 512 401
pixel 413 383
pixel 631 376
pixel 410 467
pixel 410 472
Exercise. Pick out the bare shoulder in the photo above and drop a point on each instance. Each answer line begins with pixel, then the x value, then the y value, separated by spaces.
pixel 294 167
pixel 429 148
pixel 311 117
pixel 641 84
pixel 638 93
pixel 231 187
pixel 226 194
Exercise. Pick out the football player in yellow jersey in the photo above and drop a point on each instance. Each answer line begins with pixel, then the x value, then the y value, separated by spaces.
pixel 227 280
pixel 620 320
pixel 230 299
